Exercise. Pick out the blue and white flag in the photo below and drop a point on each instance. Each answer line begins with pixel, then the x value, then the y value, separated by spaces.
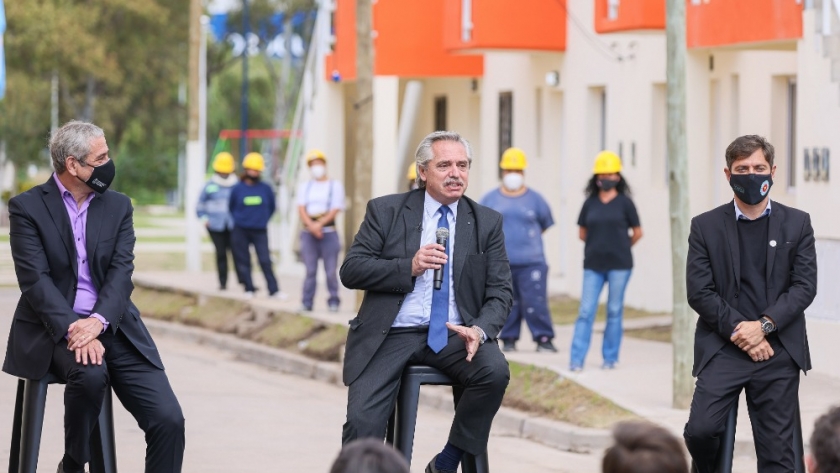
pixel 2 56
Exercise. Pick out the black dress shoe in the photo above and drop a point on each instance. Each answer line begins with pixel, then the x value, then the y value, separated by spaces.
pixel 61 467
pixel 430 468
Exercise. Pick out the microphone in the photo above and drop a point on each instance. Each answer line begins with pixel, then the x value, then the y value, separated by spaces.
pixel 441 236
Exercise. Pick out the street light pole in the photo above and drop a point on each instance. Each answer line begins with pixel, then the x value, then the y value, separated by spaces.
pixel 246 30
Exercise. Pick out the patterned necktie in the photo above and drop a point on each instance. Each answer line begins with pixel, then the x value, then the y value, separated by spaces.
pixel 440 299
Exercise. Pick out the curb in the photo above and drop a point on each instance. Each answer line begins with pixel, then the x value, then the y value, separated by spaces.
pixel 555 434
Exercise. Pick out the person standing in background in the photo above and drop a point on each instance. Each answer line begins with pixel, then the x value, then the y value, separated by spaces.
pixel 213 209
pixel 609 226
pixel 526 216
pixel 251 206
pixel 319 202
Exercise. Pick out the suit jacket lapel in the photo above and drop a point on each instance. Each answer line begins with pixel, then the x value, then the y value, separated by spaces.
pixel 775 238
pixel 413 220
pixel 732 241
pixel 94 224
pixel 58 211
pixel 464 234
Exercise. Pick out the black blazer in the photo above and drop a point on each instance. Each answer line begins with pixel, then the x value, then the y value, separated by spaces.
pixel 379 262
pixel 713 278
pixel 45 263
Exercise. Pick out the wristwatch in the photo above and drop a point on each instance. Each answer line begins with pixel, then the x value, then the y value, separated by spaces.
pixel 766 325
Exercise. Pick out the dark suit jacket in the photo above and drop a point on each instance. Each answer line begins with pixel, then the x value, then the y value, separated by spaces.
pixel 45 263
pixel 713 277
pixel 379 262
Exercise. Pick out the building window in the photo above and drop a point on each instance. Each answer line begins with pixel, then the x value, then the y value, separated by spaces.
pixel 612 9
pixel 505 121
pixel 791 132
pixel 440 113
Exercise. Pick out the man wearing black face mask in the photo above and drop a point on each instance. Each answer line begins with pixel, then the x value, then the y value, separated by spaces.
pixel 73 247
pixel 751 273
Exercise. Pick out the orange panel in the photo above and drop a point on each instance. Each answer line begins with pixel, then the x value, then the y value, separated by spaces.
pixel 408 42
pixel 537 25
pixel 632 15
pixel 730 22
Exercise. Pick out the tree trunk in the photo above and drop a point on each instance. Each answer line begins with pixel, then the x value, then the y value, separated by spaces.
pixel 683 385
pixel 363 109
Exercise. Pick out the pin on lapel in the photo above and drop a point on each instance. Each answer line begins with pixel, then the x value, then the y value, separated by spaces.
pixel 773 243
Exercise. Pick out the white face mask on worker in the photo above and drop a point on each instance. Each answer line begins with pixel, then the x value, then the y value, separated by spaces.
pixel 513 181
pixel 318 171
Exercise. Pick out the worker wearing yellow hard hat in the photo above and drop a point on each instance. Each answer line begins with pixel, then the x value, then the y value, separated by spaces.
pixel 213 210
pixel 411 175
pixel 319 202
pixel 526 215
pixel 609 225
pixel 252 203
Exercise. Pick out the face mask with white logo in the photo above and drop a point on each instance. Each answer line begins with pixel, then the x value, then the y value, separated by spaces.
pixel 318 171
pixel 513 181
pixel 102 176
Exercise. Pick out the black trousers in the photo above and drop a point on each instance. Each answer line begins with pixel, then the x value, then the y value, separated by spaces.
pixel 772 390
pixel 141 387
pixel 241 241
pixel 372 396
pixel 221 241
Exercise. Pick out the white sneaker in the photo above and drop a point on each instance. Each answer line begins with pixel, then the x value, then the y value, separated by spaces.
pixel 279 295
pixel 249 294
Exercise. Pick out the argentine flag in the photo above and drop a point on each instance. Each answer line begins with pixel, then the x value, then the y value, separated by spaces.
pixel 2 56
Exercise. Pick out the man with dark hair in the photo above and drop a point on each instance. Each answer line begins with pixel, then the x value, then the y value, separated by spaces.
pixel 369 456
pixel 750 275
pixel 825 444
pixel 72 243
pixel 642 447
pixel 408 316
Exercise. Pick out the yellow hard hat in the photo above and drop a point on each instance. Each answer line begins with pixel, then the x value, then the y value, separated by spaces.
pixel 412 171
pixel 607 162
pixel 253 161
pixel 314 154
pixel 223 163
pixel 513 159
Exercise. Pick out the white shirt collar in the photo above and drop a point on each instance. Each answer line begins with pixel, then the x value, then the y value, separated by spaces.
pixel 431 206
pixel 740 215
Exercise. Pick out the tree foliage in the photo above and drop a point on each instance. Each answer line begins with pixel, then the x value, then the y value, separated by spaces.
pixel 120 64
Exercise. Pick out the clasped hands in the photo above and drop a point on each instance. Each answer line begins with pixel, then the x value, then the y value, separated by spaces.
pixel 750 338
pixel 82 339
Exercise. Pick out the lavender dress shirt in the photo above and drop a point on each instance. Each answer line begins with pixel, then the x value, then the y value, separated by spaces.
pixel 86 293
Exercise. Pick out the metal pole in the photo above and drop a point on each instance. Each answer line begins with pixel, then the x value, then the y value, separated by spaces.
pixel 246 30
pixel 195 146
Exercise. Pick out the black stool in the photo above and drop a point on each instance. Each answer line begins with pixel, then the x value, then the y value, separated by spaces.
pixel 29 420
pixel 400 431
pixel 727 444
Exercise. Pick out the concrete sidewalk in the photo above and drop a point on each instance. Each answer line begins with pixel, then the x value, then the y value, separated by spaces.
pixel 641 383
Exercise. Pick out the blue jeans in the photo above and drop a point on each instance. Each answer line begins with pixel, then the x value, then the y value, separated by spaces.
pixel 593 283
pixel 529 302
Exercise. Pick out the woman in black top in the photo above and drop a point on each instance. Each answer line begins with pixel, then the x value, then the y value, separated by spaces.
pixel 609 226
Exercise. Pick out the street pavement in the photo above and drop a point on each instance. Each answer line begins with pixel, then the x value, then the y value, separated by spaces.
pixel 244 418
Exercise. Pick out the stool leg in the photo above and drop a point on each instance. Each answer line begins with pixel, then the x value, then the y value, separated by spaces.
pixel 14 450
pixel 727 442
pixel 407 400
pixel 32 422
pixel 103 457
pixel 389 430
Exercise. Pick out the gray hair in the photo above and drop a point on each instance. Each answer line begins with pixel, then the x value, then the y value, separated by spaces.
pixel 72 139
pixel 424 151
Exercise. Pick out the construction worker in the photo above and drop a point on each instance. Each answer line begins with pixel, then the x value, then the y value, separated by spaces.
pixel 526 216
pixel 252 203
pixel 411 175
pixel 609 226
pixel 319 201
pixel 213 209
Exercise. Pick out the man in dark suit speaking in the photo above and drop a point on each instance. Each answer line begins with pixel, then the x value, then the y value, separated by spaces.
pixel 751 273
pixel 396 258
pixel 73 247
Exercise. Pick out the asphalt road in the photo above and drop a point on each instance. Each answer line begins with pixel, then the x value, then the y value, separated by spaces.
pixel 242 418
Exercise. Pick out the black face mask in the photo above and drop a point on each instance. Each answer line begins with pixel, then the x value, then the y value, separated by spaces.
pixel 102 177
pixel 751 189
pixel 607 184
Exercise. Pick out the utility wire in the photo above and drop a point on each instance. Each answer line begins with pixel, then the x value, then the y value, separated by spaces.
pixel 600 46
